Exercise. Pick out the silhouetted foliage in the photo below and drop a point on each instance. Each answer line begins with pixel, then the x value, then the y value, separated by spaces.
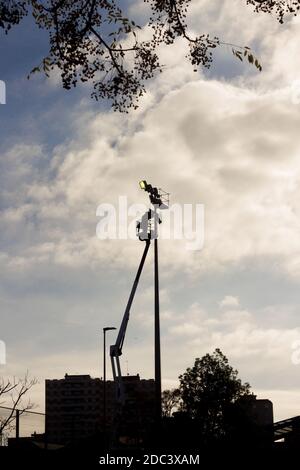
pixel 93 41
pixel 170 401
pixel 207 390
pixel 280 7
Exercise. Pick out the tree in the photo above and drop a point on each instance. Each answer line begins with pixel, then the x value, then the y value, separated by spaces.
pixel 170 401
pixel 280 7
pixel 207 390
pixel 93 41
pixel 12 392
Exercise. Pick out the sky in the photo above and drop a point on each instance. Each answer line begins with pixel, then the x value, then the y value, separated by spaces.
pixel 228 139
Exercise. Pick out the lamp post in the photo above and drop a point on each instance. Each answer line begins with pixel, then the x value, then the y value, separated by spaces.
pixel 107 328
pixel 157 357
pixel 160 200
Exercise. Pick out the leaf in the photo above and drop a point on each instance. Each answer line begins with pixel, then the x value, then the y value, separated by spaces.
pixel 237 54
pixel 34 70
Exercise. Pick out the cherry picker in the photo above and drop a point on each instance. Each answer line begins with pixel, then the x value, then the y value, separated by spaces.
pixel 147 230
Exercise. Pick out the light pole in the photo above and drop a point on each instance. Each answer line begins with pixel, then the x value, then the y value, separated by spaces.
pixel 160 200
pixel 107 328
pixel 157 357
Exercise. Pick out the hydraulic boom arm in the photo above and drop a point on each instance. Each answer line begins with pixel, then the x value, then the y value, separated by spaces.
pixel 116 349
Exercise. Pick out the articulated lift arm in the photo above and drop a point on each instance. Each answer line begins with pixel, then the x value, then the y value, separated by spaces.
pixel 116 349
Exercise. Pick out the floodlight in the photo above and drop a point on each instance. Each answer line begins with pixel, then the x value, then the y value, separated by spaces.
pixel 157 196
pixel 143 185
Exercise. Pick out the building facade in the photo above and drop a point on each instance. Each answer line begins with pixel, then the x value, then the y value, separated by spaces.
pixel 75 407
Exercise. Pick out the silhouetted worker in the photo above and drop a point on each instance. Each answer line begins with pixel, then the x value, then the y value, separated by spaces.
pixel 146 228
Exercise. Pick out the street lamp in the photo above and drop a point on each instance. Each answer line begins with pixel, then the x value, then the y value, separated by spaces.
pixel 107 328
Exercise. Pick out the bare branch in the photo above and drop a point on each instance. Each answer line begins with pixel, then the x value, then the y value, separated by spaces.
pixel 12 391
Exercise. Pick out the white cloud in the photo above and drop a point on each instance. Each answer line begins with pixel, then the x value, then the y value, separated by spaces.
pixel 229 301
pixel 232 149
pixel 261 353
